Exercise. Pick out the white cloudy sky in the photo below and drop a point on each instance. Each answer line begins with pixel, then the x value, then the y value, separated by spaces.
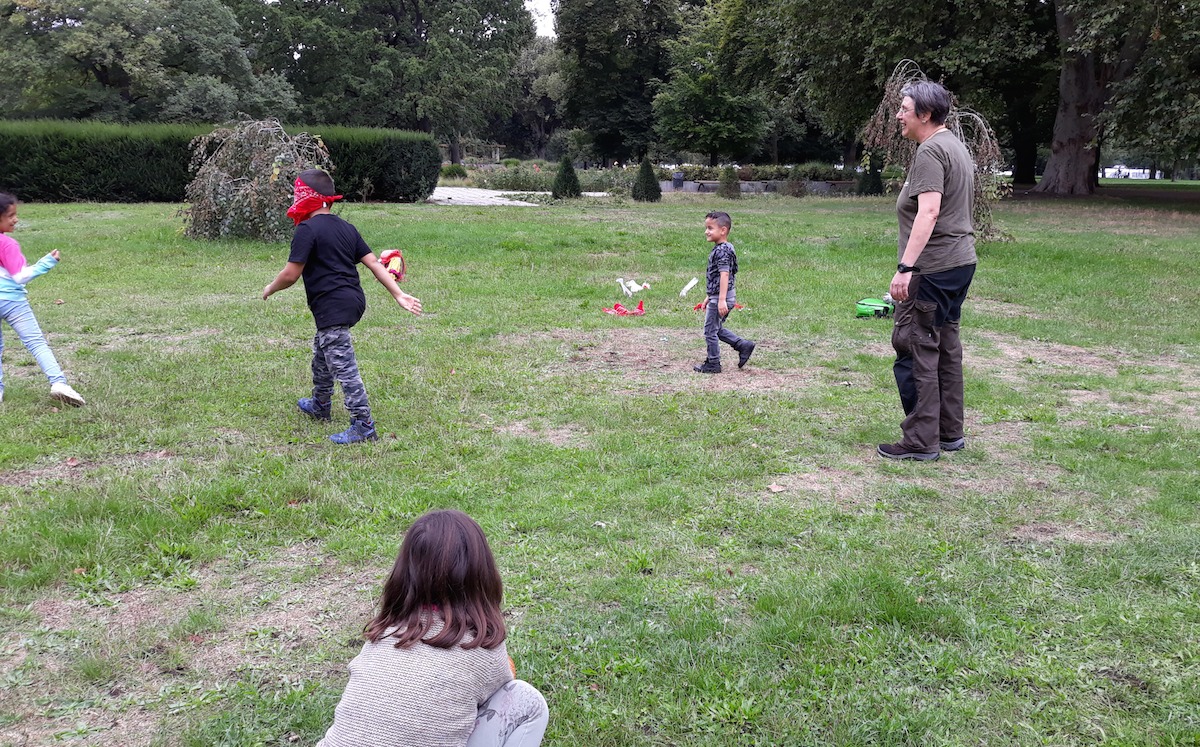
pixel 541 16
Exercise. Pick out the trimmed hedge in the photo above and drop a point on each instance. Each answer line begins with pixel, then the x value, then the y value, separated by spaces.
pixel 61 161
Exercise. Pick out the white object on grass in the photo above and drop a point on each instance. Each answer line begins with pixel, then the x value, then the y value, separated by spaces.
pixel 624 288
pixel 635 286
pixel 691 284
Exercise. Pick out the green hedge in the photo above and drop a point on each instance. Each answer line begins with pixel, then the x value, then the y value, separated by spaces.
pixel 59 161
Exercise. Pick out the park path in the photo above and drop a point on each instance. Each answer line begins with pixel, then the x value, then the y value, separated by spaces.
pixel 475 196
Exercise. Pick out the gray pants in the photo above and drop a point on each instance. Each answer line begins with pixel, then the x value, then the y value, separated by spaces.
pixel 333 358
pixel 515 716
pixel 714 331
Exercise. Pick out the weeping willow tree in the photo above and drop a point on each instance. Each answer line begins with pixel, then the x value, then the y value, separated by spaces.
pixel 882 135
pixel 243 184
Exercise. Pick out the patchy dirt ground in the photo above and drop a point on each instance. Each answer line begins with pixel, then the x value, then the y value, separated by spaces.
pixel 169 648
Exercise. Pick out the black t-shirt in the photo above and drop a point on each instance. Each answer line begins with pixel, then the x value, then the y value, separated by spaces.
pixel 330 249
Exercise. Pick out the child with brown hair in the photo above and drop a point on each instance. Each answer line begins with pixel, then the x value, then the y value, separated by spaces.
pixel 434 669
pixel 15 308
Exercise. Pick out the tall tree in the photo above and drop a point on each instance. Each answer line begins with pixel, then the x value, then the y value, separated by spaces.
pixel 614 56
pixel 150 60
pixel 700 109
pixel 837 60
pixel 443 66
pixel 1102 43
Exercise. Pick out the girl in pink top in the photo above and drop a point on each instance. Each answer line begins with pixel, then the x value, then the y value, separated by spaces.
pixel 15 308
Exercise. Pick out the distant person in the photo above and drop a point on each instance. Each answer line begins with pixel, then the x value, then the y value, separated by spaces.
pixel 721 296
pixel 434 669
pixel 15 308
pixel 325 252
pixel 937 263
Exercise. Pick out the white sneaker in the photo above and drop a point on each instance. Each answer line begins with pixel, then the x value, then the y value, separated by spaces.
pixel 64 393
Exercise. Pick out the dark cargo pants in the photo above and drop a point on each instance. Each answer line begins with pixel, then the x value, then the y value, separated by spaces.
pixel 716 333
pixel 333 358
pixel 928 365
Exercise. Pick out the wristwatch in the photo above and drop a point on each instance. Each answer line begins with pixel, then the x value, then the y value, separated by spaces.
pixel 903 268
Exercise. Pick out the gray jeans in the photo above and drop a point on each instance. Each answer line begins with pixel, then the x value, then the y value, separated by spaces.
pixel 714 331
pixel 515 716
pixel 333 358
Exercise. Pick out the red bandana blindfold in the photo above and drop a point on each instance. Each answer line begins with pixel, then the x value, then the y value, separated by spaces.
pixel 306 200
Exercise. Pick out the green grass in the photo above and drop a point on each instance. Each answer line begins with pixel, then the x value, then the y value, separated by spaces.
pixel 687 560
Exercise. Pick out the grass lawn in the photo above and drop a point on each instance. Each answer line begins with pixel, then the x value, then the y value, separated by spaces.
pixel 688 560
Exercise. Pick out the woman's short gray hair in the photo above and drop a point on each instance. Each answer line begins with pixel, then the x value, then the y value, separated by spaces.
pixel 929 98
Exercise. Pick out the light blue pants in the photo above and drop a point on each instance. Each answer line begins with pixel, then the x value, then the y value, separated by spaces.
pixel 19 315
pixel 515 716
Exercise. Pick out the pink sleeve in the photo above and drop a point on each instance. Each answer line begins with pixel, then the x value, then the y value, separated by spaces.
pixel 11 258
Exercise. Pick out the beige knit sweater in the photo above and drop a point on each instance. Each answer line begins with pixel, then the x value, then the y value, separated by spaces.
pixel 419 696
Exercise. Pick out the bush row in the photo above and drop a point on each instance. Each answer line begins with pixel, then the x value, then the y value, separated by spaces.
pixel 812 171
pixel 56 161
pixel 531 177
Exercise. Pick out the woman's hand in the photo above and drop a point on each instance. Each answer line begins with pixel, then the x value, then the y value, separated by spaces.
pixel 899 287
pixel 55 254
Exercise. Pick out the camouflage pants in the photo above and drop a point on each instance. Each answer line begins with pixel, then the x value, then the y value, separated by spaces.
pixel 333 358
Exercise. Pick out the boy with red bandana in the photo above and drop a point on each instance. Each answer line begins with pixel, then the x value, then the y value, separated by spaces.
pixel 325 252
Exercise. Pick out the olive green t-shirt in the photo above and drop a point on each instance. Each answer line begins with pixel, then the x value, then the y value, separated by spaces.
pixel 941 164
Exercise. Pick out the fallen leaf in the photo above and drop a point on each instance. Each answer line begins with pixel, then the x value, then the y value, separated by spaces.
pixel 80 571
pixel 774 488
pixel 72 462
pixel 59 302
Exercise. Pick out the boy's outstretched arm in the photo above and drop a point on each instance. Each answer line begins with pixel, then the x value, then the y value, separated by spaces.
pixel 411 303
pixel 286 278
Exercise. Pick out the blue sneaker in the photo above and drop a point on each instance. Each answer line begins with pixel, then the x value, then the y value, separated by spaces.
pixel 358 431
pixel 310 406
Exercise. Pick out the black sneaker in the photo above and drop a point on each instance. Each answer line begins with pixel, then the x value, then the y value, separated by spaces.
pixel 896 451
pixel 744 353
pixel 707 367
pixel 957 444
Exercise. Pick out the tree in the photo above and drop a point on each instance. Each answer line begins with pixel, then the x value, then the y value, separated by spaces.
pixel 536 116
pixel 997 53
pixel 700 109
pixel 180 60
pixel 1102 43
pixel 441 66
pixel 646 187
pixel 1129 64
pixel 566 181
pixel 613 58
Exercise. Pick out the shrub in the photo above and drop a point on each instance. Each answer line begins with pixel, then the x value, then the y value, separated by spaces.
pixel 731 186
pixel 796 185
pixel 244 177
pixel 607 180
pixel 454 171
pixel 869 180
pixel 566 183
pixel 520 179
pixel 381 164
pixel 61 161
pixel 510 163
pixel 818 172
pixel 57 161
pixel 646 187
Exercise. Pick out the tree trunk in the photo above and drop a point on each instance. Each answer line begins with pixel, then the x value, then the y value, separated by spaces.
pixel 849 154
pixel 712 159
pixel 1024 162
pixel 1083 84
pixel 455 150
pixel 1071 168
